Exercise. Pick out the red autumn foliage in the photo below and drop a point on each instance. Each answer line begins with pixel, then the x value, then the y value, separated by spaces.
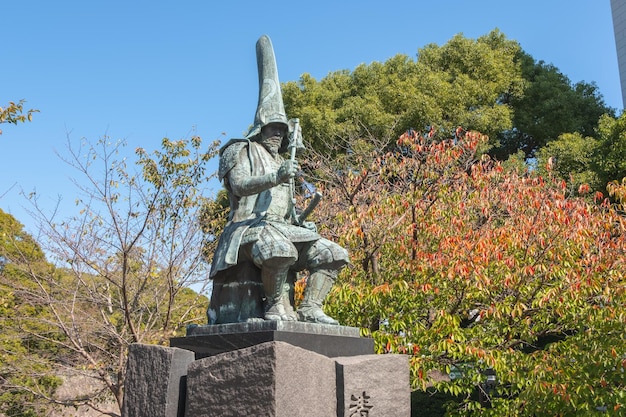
pixel 465 267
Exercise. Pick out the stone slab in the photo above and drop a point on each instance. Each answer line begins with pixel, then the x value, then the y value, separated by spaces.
pixel 270 379
pixel 374 386
pixel 330 341
pixel 265 325
pixel 155 381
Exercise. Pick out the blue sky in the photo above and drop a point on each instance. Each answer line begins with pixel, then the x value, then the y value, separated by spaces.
pixel 144 70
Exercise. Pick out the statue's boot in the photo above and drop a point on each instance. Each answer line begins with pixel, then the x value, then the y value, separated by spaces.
pixel 274 279
pixel 317 288
pixel 287 301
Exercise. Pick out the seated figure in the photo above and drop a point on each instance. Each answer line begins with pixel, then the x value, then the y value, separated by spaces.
pixel 264 243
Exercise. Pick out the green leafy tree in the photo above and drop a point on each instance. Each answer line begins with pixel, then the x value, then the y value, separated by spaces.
pixel 469 269
pixel 23 356
pixel 213 217
pixel 465 82
pixel 609 160
pixel 124 262
pixel 589 162
pixel 571 157
pixel 550 106
pixel 488 84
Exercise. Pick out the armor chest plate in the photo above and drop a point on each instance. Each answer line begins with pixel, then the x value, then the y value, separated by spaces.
pixel 277 201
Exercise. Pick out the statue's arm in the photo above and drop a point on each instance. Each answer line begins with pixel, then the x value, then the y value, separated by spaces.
pixel 242 183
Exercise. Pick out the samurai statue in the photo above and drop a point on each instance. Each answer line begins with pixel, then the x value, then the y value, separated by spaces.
pixel 264 229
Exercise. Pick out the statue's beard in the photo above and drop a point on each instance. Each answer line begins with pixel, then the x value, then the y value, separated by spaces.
pixel 272 144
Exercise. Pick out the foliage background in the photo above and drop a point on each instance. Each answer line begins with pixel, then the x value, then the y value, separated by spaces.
pixel 467 267
pixel 463 262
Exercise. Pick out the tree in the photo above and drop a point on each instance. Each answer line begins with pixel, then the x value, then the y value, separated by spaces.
pixel 609 161
pixel 571 157
pixel 123 263
pixel 213 217
pixel 14 113
pixel 589 161
pixel 489 85
pixel 550 106
pixel 465 82
pixel 470 269
pixel 22 357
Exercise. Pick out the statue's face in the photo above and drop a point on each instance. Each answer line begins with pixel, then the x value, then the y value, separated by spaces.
pixel 272 136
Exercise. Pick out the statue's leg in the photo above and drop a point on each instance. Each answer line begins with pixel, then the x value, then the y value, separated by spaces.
pixel 274 276
pixel 324 260
pixel 288 296
pixel 274 255
pixel 318 285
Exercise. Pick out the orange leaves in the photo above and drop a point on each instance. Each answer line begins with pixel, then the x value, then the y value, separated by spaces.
pixel 382 289
pixel 461 270
pixel 529 270
pixel 427 288
pixel 584 189
pixel 598 197
pixel 299 286
pixel 481 355
pixel 479 266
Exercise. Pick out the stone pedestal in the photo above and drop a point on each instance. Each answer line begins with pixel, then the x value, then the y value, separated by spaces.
pixel 266 368
pixel 373 385
pixel 331 341
pixel 155 381
pixel 269 379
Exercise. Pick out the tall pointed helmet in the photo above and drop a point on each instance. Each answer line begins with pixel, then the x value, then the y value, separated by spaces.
pixel 270 108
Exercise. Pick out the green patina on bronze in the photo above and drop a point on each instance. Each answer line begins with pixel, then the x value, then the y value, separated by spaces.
pixel 265 242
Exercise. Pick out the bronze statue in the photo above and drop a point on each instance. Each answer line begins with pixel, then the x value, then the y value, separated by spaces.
pixel 265 237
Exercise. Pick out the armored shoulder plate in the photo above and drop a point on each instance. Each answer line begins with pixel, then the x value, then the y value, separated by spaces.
pixel 229 154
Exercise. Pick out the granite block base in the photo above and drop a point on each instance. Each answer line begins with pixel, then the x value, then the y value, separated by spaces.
pixel 266 368
pixel 330 341
pixel 270 379
pixel 373 385
pixel 155 381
